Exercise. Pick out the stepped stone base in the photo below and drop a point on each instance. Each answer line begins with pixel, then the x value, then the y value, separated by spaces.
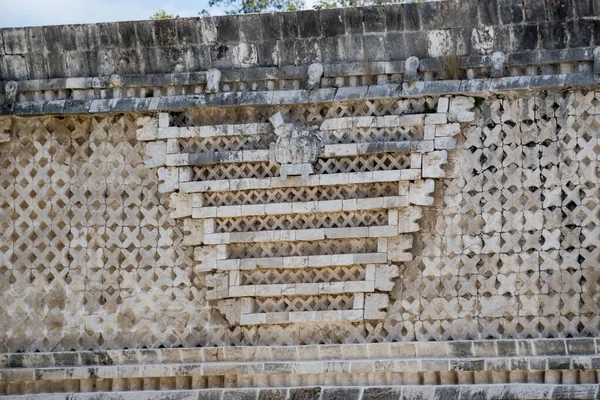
pixel 492 369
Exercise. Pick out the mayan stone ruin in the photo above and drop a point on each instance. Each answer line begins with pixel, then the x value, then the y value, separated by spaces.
pixel 380 203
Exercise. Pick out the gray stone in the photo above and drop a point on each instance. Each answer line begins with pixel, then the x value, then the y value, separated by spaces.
pixel 550 347
pixel 247 394
pixel 272 394
pixel 498 60
pixel 312 393
pixel 294 144
pixel 213 80
pixel 209 395
pixel 10 90
pixel 315 72
pixel 383 393
pixel 583 346
pixel 340 394
pixel 411 68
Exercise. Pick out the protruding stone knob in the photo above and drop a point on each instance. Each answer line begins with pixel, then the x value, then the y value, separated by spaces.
pixel 411 65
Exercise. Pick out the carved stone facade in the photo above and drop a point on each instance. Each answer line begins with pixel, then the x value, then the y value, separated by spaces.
pixel 314 230
pixel 304 282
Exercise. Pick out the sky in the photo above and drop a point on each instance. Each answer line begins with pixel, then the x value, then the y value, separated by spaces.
pixel 17 13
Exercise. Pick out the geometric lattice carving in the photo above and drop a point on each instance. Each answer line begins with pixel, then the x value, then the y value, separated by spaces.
pixel 508 249
pixel 316 193
pixel 298 221
pixel 344 219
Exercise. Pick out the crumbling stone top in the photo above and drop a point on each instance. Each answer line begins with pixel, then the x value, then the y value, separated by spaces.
pixel 381 33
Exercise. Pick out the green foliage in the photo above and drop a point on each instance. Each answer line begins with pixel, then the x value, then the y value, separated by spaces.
pixel 256 6
pixel 162 14
pixel 478 103
pixel 253 6
pixel 358 3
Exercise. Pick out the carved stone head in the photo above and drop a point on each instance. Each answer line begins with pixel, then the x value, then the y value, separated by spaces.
pixel 295 144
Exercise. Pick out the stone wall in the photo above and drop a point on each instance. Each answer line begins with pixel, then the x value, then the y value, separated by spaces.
pixel 91 259
pixel 395 202
pixel 386 33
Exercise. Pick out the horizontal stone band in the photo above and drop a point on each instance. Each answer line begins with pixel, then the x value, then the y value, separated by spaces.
pixel 227 185
pixel 301 207
pixel 301 235
pixel 490 392
pixel 302 261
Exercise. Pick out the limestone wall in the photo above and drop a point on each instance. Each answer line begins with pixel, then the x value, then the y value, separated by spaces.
pixel 292 40
pixel 308 205
pixel 92 260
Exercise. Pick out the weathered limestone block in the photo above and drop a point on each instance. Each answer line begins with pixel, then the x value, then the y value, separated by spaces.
pixel 294 144
pixel 432 164
pixel 411 66
pixel 447 129
pixel 231 310
pixel 384 275
pixel 407 219
pixel 597 61
pixel 315 73
pixel 10 90
pixel 181 204
pixel 168 179
pixel 5 125
pixel 245 55
pixel 374 304
pixel 207 256
pixel 156 154
pixel 399 248
pixel 444 143
pixel 461 109
pixel 164 120
pixel 147 128
pixel 193 230
pixel 218 286
pixel 213 80
pixel 498 60
pixel 303 170
pixel 421 192
pixel 115 81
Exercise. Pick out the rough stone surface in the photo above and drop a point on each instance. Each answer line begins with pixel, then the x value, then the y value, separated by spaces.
pixel 501 246
pixel 311 205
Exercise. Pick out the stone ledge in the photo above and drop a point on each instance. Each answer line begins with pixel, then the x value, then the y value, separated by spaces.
pixel 473 87
pixel 450 349
pixel 329 151
pixel 209 131
pixel 273 318
pixel 408 392
pixel 300 207
pixel 327 366
pixel 302 261
pixel 299 235
pixel 332 70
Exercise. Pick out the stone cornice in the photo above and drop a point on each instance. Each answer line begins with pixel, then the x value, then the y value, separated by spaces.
pixel 474 87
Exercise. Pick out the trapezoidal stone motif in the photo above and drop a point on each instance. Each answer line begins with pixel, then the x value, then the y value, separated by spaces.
pixel 305 261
